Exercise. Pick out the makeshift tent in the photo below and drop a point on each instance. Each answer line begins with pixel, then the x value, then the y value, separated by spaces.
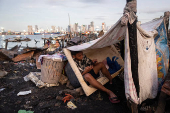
pixel 147 35
pixel 100 54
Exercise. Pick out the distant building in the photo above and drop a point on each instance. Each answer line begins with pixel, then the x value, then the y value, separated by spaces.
pixel 53 29
pixel 30 30
pixel 69 28
pixel 76 27
pixel 59 29
pixel 104 26
pixel 2 29
pixel 79 28
pixel 89 27
pixel 36 28
pixel 92 26
pixel 17 33
pixel 83 28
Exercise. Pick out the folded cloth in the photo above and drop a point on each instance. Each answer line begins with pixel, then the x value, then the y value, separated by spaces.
pixel 53 57
pixel 113 65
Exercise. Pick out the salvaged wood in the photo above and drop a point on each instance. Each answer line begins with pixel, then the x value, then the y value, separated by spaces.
pixel 4 57
pixel 15 48
pixel 24 56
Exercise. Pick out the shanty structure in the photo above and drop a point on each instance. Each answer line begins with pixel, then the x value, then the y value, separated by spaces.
pixel 146 54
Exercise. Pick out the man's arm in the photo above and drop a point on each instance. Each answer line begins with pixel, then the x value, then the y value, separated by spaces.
pixel 87 69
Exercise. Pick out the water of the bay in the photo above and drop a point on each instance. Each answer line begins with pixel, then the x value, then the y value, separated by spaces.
pixel 23 44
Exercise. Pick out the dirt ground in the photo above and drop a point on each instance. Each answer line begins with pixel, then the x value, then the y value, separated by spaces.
pixel 44 100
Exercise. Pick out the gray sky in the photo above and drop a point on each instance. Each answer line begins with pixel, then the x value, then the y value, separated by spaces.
pixel 16 15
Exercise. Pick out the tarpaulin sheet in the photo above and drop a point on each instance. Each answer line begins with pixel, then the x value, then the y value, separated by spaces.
pixel 162 54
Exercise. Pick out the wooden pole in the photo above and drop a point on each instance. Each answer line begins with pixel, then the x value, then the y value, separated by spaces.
pixel 6 45
pixel 134 52
pixel 167 25
pixel 134 58
pixel 62 43
pixel 44 41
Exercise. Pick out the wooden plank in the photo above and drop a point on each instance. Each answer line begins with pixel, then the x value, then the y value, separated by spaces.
pixel 24 56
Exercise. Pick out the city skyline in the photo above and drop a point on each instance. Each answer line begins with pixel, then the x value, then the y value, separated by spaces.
pixel 75 28
pixel 16 16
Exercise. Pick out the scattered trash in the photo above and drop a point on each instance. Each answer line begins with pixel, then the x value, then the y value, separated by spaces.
pixel 24 111
pixel 5 62
pixel 63 79
pixel 59 98
pixel 26 78
pixel 51 85
pixel 68 97
pixel 34 78
pixel 2 89
pixel 58 104
pixel 71 105
pixel 24 93
pixel 32 64
pixel 3 73
pixel 15 71
pixel 27 107
pixel 60 92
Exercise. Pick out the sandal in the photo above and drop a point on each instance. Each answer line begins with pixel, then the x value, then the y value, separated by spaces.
pixel 114 100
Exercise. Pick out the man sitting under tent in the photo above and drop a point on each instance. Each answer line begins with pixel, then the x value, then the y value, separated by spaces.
pixel 90 71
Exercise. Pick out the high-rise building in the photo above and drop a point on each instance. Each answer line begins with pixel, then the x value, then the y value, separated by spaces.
pixel 79 28
pixel 36 28
pixel 69 28
pixel 92 26
pixel 53 28
pixel 30 30
pixel 59 29
pixel 76 27
pixel 83 28
pixel 103 26
pixel 88 27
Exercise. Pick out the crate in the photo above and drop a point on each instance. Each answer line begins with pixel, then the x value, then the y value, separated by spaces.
pixel 51 70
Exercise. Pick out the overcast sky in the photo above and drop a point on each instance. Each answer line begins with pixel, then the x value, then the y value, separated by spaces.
pixel 16 15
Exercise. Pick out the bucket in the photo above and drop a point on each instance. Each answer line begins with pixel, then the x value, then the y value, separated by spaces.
pixel 51 70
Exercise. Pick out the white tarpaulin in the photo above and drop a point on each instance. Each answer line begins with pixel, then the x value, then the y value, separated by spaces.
pixel 147 64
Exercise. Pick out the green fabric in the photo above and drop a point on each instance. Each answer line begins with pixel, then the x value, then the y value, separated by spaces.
pixel 24 111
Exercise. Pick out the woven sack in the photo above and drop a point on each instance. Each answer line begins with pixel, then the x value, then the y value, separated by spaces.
pixel 51 70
